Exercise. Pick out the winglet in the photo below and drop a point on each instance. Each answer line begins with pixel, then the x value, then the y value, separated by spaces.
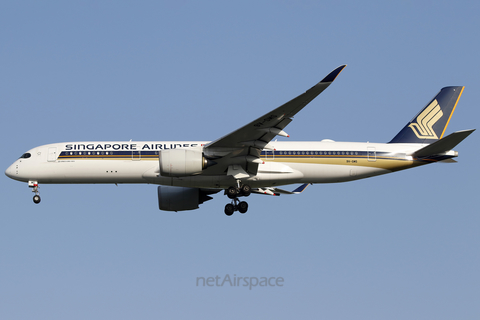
pixel 301 188
pixel 332 75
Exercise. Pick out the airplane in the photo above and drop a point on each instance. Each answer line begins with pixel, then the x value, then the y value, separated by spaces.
pixel 247 160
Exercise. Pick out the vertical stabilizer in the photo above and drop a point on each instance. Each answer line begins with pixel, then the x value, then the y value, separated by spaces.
pixel 429 125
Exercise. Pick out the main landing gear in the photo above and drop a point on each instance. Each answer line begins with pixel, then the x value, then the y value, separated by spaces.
pixel 36 197
pixel 237 205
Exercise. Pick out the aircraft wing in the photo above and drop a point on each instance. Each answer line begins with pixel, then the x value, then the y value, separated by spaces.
pixel 276 191
pixel 243 146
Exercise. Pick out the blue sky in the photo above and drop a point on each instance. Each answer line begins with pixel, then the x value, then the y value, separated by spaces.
pixel 401 246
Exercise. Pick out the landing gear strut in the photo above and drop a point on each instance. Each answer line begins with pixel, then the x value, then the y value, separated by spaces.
pixel 36 197
pixel 237 205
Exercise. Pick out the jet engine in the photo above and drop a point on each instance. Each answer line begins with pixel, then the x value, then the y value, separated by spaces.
pixel 182 162
pixel 182 198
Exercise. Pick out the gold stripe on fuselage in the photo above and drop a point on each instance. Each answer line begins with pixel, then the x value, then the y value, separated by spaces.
pixel 381 162
pixel 388 163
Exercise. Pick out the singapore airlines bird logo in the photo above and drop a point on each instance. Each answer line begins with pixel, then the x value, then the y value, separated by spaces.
pixel 425 121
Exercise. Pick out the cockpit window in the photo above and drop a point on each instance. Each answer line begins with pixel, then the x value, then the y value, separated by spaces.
pixel 25 156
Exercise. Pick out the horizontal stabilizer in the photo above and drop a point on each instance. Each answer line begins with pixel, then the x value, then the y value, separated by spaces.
pixel 443 145
pixel 448 161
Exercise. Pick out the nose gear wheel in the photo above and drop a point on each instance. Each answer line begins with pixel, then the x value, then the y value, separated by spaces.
pixel 36 197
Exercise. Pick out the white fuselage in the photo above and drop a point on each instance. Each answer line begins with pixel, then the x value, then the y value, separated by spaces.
pixel 138 162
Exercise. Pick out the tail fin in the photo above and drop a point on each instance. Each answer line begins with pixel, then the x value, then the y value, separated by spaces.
pixel 429 124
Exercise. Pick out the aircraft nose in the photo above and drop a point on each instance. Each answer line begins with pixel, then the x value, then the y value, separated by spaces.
pixel 10 172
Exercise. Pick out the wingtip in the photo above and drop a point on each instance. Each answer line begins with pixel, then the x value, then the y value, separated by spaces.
pixel 301 188
pixel 332 75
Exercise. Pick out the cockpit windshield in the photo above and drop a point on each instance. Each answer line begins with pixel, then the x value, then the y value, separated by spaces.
pixel 25 156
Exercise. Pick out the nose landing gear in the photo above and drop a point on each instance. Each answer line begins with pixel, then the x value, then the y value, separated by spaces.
pixel 34 185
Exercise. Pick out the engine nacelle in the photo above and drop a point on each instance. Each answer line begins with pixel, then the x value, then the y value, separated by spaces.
pixel 181 162
pixel 181 198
